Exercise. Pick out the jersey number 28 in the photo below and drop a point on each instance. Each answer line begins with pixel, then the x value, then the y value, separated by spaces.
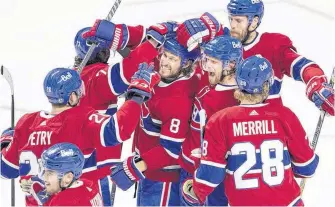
pixel 272 168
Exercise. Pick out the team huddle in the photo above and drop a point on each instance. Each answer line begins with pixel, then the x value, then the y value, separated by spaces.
pixel 202 102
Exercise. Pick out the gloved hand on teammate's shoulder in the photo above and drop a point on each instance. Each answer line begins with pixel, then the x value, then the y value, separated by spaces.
pixel 6 137
pixel 125 174
pixel 162 31
pixel 142 83
pixel 115 36
pixel 194 32
pixel 321 93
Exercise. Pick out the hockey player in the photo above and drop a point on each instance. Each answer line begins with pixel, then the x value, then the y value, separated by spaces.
pixel 81 125
pixel 220 58
pixel 163 126
pixel 256 148
pixel 245 17
pixel 103 82
pixel 62 166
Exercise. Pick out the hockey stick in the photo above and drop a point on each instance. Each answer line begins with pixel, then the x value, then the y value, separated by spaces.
pixel 318 130
pixel 202 114
pixel 5 73
pixel 94 45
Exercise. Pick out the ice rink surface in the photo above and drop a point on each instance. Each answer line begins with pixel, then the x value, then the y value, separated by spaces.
pixel 37 36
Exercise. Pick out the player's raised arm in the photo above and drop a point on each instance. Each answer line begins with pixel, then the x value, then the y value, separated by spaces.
pixel 113 130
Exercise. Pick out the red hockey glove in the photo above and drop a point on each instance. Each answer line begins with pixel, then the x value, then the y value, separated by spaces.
pixel 6 138
pixel 321 93
pixel 193 32
pixel 142 83
pixel 161 32
pixel 189 196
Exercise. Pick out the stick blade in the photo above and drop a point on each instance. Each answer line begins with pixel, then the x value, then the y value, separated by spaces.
pixel 5 73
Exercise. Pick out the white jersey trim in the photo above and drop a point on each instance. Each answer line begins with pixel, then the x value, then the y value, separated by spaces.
pixel 304 163
pixel 108 161
pixel 122 75
pixel 172 138
pixel 215 164
pixel 204 181
pixel 9 163
pixel 110 79
pixel 220 87
pixel 251 45
pixel 294 201
pixel 117 133
pixel 102 129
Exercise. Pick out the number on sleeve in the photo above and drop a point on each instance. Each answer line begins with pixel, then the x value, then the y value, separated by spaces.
pixel 174 127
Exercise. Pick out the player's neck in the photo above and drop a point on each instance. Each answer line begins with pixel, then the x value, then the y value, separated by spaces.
pixel 228 80
pixel 58 110
pixel 248 102
pixel 251 38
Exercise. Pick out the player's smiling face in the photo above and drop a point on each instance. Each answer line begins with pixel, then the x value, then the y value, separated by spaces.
pixel 51 181
pixel 239 26
pixel 214 68
pixel 169 64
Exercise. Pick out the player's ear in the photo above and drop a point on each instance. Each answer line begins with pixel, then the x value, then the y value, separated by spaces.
pixel 67 179
pixel 254 23
pixel 73 99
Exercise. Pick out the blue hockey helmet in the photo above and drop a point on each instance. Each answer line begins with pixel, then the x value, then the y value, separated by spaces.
pixel 83 45
pixel 252 73
pixel 249 8
pixel 59 83
pixel 172 45
pixel 225 49
pixel 63 158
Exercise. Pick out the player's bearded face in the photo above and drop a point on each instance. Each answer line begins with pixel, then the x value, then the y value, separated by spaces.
pixel 239 26
pixel 169 64
pixel 51 181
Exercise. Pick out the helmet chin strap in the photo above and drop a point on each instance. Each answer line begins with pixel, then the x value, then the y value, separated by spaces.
pixel 63 188
pixel 248 33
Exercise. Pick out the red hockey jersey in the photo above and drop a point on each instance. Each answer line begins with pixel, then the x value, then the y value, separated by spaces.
pixel 257 150
pixel 104 83
pixel 83 126
pixel 281 53
pixel 82 193
pixel 211 99
pixel 163 127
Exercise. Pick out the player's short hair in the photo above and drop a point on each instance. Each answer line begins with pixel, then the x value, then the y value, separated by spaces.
pixel 256 98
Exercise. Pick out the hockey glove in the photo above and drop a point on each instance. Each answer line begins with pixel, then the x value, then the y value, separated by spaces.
pixel 142 83
pixel 34 186
pixel 103 32
pixel 6 137
pixel 161 32
pixel 193 32
pixel 125 174
pixel 321 93
pixel 189 196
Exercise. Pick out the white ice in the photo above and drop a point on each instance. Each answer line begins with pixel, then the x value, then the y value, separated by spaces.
pixel 37 36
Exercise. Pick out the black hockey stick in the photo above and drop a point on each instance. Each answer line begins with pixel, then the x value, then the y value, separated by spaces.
pixel 318 130
pixel 94 45
pixel 5 73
